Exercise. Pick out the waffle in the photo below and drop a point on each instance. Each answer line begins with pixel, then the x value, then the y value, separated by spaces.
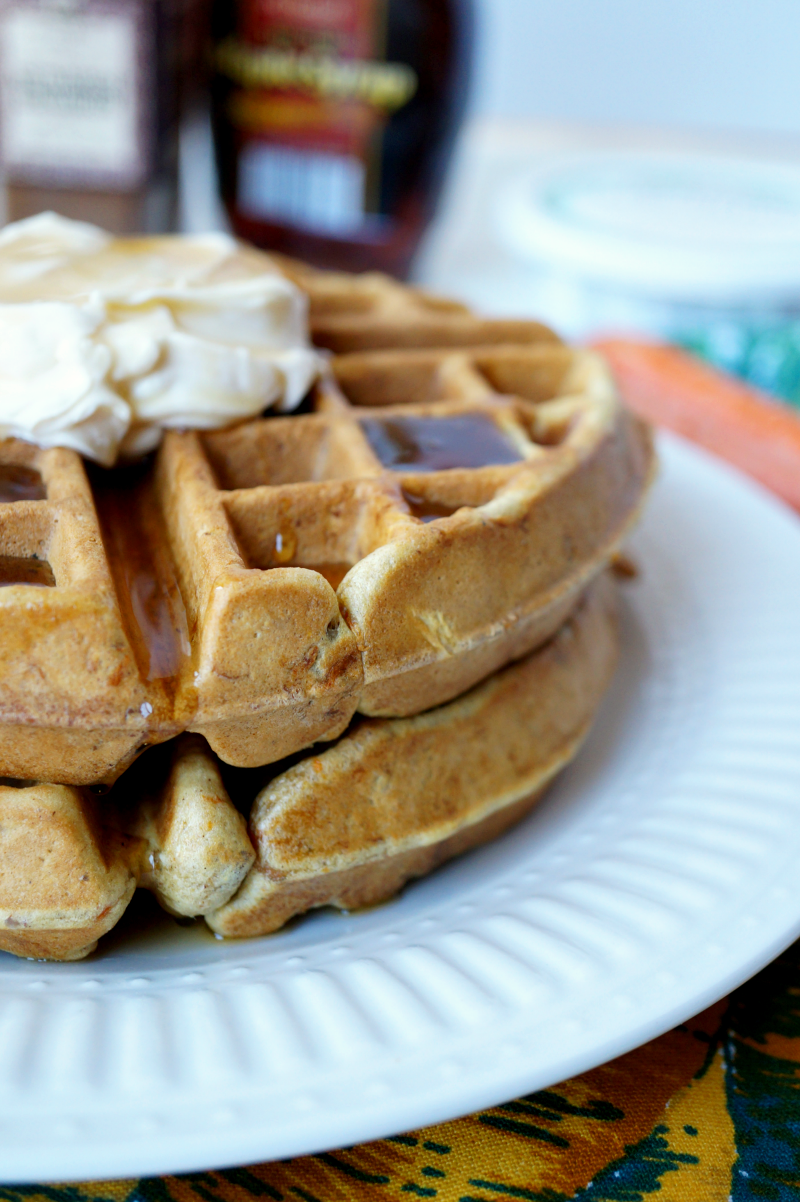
pixel 346 827
pixel 65 879
pixel 442 576
pixel 396 797
pixel 372 311
pixel 204 599
pixel 73 703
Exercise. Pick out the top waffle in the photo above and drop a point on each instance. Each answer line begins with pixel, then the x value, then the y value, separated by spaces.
pixel 435 514
pixel 372 311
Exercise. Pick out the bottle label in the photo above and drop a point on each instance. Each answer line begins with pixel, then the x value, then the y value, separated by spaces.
pixel 311 97
pixel 74 83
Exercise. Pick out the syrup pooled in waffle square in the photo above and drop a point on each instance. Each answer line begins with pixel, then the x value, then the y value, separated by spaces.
pixel 458 501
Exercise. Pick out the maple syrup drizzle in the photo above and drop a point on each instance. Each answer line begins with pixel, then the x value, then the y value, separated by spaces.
pixel 427 510
pixel 18 569
pixel 283 556
pixel 146 584
pixel 19 483
pixel 437 444
pixel 284 548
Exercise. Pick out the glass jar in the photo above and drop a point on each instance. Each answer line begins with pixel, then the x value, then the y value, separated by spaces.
pixel 701 249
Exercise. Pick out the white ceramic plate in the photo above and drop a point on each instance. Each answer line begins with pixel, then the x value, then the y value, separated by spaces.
pixel 661 871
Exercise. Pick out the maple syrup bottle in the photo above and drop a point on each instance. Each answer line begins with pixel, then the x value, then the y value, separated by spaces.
pixel 334 120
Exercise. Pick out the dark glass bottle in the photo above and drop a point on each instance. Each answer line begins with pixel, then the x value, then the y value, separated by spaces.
pixel 334 120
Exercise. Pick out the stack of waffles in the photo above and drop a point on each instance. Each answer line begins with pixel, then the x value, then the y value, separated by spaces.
pixel 302 660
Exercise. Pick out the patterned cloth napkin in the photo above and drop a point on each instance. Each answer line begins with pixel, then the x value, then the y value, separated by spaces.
pixel 706 1113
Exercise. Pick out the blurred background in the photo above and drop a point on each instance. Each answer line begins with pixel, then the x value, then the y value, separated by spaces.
pixel 616 167
pixel 667 137
pixel 713 66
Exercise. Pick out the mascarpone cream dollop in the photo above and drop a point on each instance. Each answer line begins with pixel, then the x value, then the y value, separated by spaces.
pixel 106 342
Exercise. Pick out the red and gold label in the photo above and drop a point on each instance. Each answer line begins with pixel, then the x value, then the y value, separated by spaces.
pixel 341 28
pixel 312 93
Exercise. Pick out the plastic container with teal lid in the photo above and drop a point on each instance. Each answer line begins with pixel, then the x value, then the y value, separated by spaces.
pixel 703 250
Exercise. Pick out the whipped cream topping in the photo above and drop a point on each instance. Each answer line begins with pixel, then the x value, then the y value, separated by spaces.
pixel 106 342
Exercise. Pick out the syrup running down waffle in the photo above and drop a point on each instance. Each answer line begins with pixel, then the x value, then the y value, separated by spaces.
pixel 437 516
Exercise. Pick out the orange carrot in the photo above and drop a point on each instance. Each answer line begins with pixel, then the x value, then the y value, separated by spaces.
pixel 748 428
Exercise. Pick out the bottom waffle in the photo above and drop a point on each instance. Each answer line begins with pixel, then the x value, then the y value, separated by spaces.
pixel 392 799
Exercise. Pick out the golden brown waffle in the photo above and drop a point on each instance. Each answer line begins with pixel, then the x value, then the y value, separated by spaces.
pixel 193 847
pixel 443 572
pixel 93 668
pixel 434 515
pixel 347 827
pixel 65 879
pixel 71 861
pixel 73 703
pixel 371 310
pixel 396 797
